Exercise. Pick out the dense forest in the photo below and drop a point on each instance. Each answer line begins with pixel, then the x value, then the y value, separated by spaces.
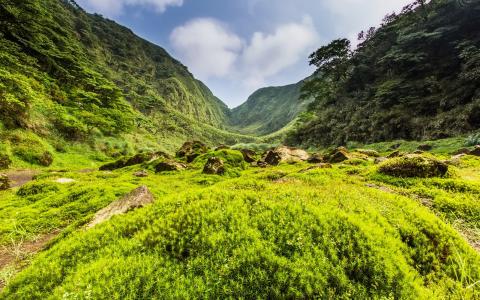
pixel 416 77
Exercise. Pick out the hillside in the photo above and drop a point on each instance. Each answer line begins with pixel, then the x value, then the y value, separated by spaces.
pixel 66 75
pixel 416 77
pixel 268 110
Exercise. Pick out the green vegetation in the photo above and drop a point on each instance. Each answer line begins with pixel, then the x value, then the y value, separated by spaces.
pixel 397 84
pixel 269 110
pixel 346 232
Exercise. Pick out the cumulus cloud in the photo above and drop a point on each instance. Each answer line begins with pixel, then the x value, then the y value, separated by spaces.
pixel 116 7
pixel 210 49
pixel 207 47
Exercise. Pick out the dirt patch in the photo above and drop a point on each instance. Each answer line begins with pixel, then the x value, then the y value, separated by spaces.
pixel 14 255
pixel 135 199
pixel 20 177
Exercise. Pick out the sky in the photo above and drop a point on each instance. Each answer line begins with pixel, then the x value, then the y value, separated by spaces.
pixel 239 46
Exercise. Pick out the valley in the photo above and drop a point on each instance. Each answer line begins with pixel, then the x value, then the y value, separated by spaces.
pixel 122 176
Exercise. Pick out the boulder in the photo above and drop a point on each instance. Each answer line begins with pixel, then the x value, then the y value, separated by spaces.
pixel 414 166
pixel 475 151
pixel 394 154
pixel 316 167
pixel 425 147
pixel 261 164
pixel 338 155
pixel 169 166
pixel 316 158
pixel 137 159
pixel 379 160
pixel 285 154
pixel 248 155
pixel 464 151
pixel 135 199
pixel 4 182
pixel 368 152
pixel 46 159
pixel 142 173
pixel 191 150
pixel 5 161
pixel 214 166
pixel 222 147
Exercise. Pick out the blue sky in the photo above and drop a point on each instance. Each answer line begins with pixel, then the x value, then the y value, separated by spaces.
pixel 238 46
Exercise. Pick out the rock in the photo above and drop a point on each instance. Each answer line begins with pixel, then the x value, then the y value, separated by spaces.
pixel 475 151
pixel 64 180
pixel 418 152
pixel 425 147
pixel 137 159
pixel 262 164
pixel 46 159
pixel 191 150
pixel 5 161
pixel 169 166
pixel 395 154
pixel 395 146
pixel 380 160
pixel 214 166
pixel 316 158
pixel 338 155
pixel 285 154
pixel 222 147
pixel 142 173
pixel 318 166
pixel 135 199
pixel 461 151
pixel 4 182
pixel 414 166
pixel 368 152
pixel 248 155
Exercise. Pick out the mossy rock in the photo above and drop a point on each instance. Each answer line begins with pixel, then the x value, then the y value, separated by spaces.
pixel 214 166
pixel 414 166
pixel 191 150
pixel 137 159
pixel 4 182
pixel 5 161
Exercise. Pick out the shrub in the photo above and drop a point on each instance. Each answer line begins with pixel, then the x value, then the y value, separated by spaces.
pixel 473 140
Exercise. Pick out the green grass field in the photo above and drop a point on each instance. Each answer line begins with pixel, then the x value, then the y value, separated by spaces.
pixel 280 232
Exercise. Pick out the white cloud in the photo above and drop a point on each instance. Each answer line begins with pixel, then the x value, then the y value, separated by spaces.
pixel 114 8
pixel 267 55
pixel 212 51
pixel 207 47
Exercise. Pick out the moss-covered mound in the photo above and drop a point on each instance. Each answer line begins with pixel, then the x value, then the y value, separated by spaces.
pixel 414 166
pixel 232 159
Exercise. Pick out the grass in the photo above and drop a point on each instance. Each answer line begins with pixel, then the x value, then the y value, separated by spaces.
pixel 263 233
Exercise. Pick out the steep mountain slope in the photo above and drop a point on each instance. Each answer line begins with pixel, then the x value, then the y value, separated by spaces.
pixel 70 74
pixel 269 109
pixel 416 77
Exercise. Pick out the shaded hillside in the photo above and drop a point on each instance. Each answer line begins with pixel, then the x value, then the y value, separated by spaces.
pixel 269 110
pixel 68 73
pixel 416 77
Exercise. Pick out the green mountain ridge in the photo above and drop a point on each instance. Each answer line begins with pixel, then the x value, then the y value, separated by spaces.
pixel 269 110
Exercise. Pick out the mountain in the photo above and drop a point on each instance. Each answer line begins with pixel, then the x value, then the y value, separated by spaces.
pixel 269 110
pixel 416 77
pixel 71 75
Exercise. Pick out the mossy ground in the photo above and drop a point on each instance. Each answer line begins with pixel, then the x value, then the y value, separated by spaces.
pixel 347 232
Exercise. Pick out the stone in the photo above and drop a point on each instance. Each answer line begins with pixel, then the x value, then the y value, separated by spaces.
pixel 394 154
pixel 137 198
pixel 46 159
pixel 169 166
pixel 425 147
pixel 137 159
pixel 379 160
pixel 214 166
pixel 248 155
pixel 464 151
pixel 316 158
pixel 4 182
pixel 5 161
pixel 414 166
pixel 142 173
pixel 285 154
pixel 338 155
pixel 191 150
pixel 64 180
pixel 262 164
pixel 475 151
pixel 368 152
